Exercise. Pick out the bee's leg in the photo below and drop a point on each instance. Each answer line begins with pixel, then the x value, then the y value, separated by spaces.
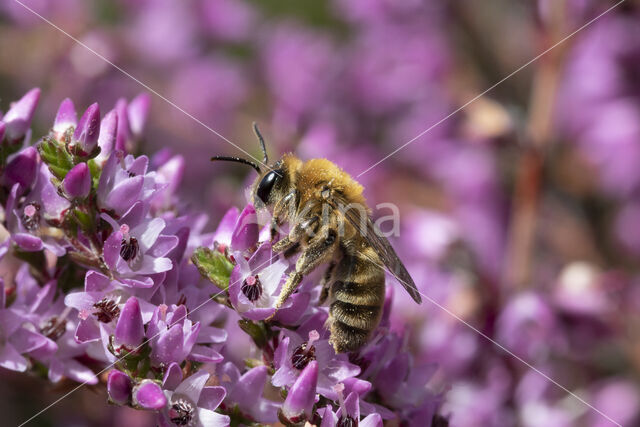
pixel 283 209
pixel 319 249
pixel 326 283
pixel 301 231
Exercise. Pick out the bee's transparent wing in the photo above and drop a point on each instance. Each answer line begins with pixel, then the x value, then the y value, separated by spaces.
pixel 362 222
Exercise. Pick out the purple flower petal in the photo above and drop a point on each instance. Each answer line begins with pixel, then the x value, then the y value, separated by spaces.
pixel 149 395
pixel 245 234
pixel 119 387
pixel 137 113
pixel 301 397
pixel 28 242
pixel 88 129
pixel 172 377
pixel 11 359
pixel 18 118
pixel 21 169
pixel 124 194
pixel 122 133
pixel 211 397
pixel 77 182
pixel 130 329
pixel 168 347
pixel 107 135
pixel 66 117
pixel 192 386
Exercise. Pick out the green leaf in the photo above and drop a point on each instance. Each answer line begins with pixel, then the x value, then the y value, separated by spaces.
pixel 257 331
pixel 84 219
pixel 214 266
pixel 56 157
pixel 95 171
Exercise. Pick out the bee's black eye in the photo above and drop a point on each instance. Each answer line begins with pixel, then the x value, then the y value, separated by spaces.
pixel 265 186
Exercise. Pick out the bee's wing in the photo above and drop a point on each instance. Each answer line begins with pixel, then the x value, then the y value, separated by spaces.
pixel 381 245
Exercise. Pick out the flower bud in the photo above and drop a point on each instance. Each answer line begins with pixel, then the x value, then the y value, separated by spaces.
pixel 21 169
pixel 85 137
pixel 65 118
pixel 18 118
pixel 119 387
pixel 148 395
pixel 137 113
pixel 122 133
pixel 77 182
pixel 298 405
pixel 130 328
pixel 246 231
pixel 107 137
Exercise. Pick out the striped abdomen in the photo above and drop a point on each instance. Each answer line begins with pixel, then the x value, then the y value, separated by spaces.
pixel 357 297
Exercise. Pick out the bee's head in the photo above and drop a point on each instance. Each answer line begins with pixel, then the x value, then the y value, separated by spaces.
pixel 271 183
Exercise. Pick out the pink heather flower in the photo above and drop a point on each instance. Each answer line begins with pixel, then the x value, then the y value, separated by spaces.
pixel 193 404
pixel 18 119
pixel 65 118
pixel 245 391
pixel 294 353
pixel 77 182
pixel 298 406
pixel 107 136
pixel 85 136
pixel 119 387
pixel 137 112
pixel 147 394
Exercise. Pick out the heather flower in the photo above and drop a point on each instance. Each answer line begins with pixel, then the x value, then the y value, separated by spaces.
pixel 253 287
pixel 137 112
pixel 107 136
pixel 130 327
pixel 193 404
pixel 21 169
pixel 119 387
pixel 66 118
pixel 528 326
pixel 85 137
pixel 147 394
pixel 125 181
pixel 174 337
pixel 298 406
pixel 30 220
pixel 137 249
pixel 18 119
pixel 348 413
pixel 245 392
pixel 99 306
pixel 294 353
pixel 77 183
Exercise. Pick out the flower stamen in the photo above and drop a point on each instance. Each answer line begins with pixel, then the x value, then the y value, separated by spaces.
pixel 305 352
pixel 252 288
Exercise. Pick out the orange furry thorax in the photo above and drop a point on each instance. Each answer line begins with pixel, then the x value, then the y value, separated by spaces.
pixel 311 176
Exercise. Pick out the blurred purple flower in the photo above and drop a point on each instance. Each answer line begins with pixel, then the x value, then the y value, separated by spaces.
pixel 18 119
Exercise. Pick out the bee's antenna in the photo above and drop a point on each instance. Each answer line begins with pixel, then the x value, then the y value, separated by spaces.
pixel 238 160
pixel 265 159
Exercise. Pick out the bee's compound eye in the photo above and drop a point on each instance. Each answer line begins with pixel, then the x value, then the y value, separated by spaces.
pixel 265 186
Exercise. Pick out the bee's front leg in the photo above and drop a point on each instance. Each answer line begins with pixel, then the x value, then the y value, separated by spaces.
pixel 283 209
pixel 319 249
pixel 298 233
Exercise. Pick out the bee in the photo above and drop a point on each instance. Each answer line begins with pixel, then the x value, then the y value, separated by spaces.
pixel 329 224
